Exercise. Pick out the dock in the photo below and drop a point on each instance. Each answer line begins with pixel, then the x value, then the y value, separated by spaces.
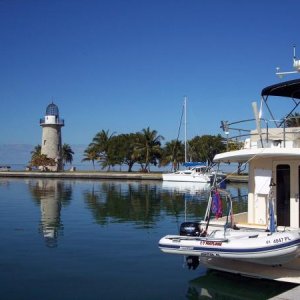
pixel 237 178
pixel 102 175
pixel 82 175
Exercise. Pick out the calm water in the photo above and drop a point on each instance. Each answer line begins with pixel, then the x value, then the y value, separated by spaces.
pixel 98 240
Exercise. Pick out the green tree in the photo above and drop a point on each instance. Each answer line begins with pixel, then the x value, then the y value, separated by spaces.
pixel 173 152
pixel 101 144
pixel 36 151
pixel 148 148
pixel 205 148
pixel 235 145
pixel 41 160
pixel 122 150
pixel 90 154
pixel 67 154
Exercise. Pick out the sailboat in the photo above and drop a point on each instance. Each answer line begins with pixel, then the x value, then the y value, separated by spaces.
pixel 198 173
pixel 195 171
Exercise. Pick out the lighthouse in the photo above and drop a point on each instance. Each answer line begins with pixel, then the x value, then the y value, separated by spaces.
pixel 51 136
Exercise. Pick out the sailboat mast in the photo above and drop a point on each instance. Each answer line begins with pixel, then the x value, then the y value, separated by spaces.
pixel 185 131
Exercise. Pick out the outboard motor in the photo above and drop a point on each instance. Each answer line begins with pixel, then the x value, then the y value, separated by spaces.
pixel 192 262
pixel 190 229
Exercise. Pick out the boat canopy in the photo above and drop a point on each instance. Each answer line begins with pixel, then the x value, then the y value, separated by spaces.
pixel 194 164
pixel 290 89
pixel 245 155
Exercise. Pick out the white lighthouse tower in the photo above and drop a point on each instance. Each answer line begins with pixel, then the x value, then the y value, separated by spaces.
pixel 51 137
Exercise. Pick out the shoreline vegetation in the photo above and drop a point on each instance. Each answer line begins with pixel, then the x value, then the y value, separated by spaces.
pixel 102 175
pixel 142 150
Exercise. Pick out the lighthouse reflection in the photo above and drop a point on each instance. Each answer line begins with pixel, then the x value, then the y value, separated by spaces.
pixel 50 194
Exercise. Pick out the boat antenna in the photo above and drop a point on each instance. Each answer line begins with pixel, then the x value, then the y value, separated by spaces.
pixel 296 66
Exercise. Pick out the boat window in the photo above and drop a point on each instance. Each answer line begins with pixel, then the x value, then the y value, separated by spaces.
pixel 283 195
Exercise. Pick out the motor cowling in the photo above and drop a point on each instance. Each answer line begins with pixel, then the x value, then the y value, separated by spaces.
pixel 190 229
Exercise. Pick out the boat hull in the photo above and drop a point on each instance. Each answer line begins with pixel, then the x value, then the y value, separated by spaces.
pixel 186 178
pixel 259 247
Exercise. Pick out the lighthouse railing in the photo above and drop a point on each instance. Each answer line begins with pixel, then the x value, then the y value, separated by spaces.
pixel 57 121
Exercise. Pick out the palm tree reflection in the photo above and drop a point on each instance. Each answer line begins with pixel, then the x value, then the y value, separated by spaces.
pixel 124 201
pixel 144 204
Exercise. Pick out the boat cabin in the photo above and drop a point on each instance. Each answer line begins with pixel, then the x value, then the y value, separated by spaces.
pixel 273 158
pixel 4 168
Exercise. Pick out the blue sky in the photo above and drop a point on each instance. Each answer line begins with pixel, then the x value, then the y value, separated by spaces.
pixel 124 65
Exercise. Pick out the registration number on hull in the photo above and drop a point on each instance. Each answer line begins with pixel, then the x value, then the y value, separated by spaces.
pixel 279 240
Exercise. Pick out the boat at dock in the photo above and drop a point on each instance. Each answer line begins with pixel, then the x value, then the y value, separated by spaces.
pixel 4 168
pixel 197 173
pixel 267 247
pixel 264 241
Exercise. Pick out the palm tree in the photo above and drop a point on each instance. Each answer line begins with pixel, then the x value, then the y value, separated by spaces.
pixel 91 154
pixel 173 152
pixel 36 151
pixel 148 147
pixel 101 144
pixel 67 154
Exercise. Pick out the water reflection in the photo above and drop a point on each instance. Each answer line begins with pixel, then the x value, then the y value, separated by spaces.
pixel 144 203
pixel 50 194
pixel 190 188
pixel 113 201
pixel 104 229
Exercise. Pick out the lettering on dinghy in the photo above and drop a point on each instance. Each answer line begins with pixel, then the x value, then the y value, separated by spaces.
pixel 211 243
pixel 279 240
pixel 186 248
pixel 206 254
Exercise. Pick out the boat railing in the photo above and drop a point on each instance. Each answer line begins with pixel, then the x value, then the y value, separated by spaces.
pixel 281 136
pixel 224 195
